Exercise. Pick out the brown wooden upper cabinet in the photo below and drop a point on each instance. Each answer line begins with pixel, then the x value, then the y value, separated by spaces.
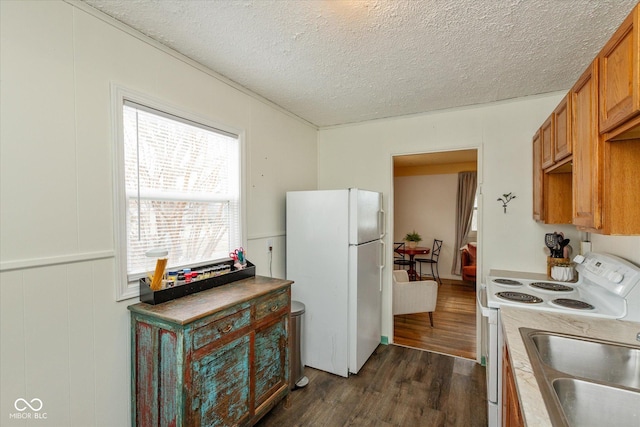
pixel 555 135
pixel 586 154
pixel 587 150
pixel 619 85
pixel 562 130
pixel 552 175
pixel 546 141
pixel 552 198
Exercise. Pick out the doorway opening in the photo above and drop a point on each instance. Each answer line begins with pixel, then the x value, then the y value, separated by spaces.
pixel 425 201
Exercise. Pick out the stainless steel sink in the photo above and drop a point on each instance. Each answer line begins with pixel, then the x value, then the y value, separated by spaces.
pixel 590 404
pixel 594 360
pixel 585 382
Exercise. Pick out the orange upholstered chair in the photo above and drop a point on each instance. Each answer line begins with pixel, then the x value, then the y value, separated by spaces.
pixel 469 262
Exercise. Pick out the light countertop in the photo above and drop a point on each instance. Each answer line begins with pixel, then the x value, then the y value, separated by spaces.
pixel 531 402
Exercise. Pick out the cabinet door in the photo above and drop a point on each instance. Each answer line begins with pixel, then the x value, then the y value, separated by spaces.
pixel 156 393
pixel 537 178
pixel 220 386
pixel 546 135
pixel 271 361
pixel 511 412
pixel 562 130
pixel 619 85
pixel 587 157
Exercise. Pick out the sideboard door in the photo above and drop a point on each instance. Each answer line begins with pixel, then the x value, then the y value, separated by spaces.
pixel 271 363
pixel 220 385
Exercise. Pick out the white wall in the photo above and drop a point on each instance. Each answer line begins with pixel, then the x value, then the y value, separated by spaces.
pixel 64 338
pixel 502 134
pixel 427 203
pixel 627 247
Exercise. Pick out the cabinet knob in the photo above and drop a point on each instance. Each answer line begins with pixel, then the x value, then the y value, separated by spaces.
pixel 226 328
pixel 274 308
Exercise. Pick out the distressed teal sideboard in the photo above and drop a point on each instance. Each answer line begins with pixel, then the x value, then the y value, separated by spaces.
pixel 216 358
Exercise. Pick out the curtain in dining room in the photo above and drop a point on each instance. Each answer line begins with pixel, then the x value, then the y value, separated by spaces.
pixel 467 182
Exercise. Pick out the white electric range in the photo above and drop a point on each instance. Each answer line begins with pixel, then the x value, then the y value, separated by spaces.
pixel 606 287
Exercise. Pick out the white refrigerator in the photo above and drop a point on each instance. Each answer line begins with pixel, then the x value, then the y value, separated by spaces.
pixel 335 257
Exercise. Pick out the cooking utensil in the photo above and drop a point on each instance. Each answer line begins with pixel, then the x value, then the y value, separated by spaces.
pixel 559 251
pixel 551 240
pixel 567 251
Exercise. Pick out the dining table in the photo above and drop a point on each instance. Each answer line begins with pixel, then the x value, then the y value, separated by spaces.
pixel 412 252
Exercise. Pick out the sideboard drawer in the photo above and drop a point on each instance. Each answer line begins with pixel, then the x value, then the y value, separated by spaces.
pixel 271 304
pixel 218 329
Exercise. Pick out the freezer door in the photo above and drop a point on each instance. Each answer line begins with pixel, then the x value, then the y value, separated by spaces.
pixel 365 306
pixel 365 216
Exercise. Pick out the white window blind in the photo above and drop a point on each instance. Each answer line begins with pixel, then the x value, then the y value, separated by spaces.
pixel 474 215
pixel 182 184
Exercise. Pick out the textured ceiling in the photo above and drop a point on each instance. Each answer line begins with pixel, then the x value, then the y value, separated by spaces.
pixel 342 61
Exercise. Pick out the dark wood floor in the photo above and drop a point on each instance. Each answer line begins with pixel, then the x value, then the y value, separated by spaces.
pixel 454 323
pixel 398 386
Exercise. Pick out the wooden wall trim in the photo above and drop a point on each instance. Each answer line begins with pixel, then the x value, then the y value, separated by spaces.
pixel 22 264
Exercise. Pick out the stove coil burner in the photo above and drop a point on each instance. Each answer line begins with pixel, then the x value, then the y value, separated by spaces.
pixel 519 297
pixel 573 303
pixel 507 282
pixel 557 287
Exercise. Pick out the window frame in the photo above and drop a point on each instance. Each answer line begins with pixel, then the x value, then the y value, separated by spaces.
pixel 126 289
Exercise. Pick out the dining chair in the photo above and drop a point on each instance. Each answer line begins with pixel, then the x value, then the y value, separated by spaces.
pixel 399 258
pixel 433 261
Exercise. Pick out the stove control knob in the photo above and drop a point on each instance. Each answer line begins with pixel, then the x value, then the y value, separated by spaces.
pixel 615 277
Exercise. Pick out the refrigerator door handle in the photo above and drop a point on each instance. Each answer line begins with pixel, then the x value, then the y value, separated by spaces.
pixel 383 253
pixel 382 226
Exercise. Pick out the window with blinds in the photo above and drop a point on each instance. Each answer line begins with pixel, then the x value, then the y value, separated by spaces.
pixel 182 189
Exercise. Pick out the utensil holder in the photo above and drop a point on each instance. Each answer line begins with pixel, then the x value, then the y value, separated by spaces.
pixel 561 270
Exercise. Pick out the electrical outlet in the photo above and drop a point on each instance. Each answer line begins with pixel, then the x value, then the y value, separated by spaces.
pixel 269 245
